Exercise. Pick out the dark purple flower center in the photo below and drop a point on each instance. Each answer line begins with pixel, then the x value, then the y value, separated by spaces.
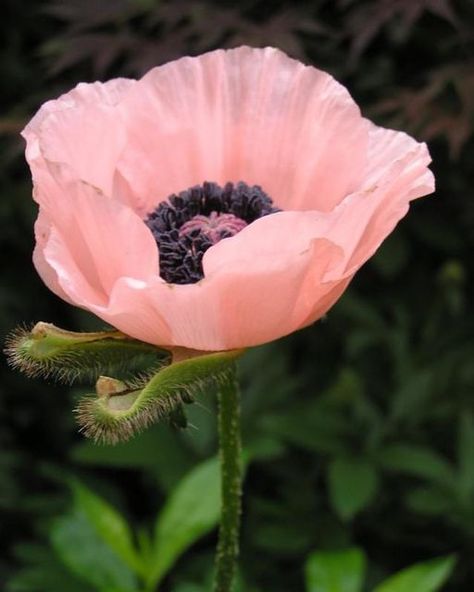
pixel 187 224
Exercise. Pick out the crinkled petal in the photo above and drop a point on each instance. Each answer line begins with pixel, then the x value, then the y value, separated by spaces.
pixel 279 274
pixel 86 138
pixel 142 310
pixel 76 278
pixel 257 288
pixel 95 93
pixel 105 155
pixel 388 146
pixel 96 241
pixel 365 218
pixel 125 308
pixel 81 130
pixel 270 276
pixel 47 273
pixel 243 114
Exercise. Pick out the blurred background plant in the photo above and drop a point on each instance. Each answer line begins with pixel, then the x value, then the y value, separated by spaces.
pixel 359 431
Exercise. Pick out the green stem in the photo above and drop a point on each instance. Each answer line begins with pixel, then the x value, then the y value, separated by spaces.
pixel 231 478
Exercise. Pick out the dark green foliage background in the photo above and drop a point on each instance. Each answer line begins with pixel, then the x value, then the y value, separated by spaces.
pixel 362 426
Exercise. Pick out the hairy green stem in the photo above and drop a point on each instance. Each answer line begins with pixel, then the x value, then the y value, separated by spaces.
pixel 231 482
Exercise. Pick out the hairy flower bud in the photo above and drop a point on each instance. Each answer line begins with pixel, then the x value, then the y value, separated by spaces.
pixel 120 407
pixel 119 410
pixel 49 351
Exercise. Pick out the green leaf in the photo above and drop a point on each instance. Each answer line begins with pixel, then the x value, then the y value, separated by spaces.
pixel 306 430
pixel 43 571
pixel 466 455
pixel 353 483
pixel 417 461
pixel 109 525
pixel 192 510
pixel 50 578
pixel 190 588
pixel 411 399
pixel 392 256
pixel 431 501
pixel 422 577
pixel 88 557
pixel 158 451
pixel 335 571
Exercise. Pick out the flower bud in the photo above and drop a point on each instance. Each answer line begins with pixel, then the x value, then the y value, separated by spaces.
pixel 49 351
pixel 118 410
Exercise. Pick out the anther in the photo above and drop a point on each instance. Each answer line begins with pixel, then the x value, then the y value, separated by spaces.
pixel 187 224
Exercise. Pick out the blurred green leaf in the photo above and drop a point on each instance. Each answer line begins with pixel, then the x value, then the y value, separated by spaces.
pixel 191 511
pixel 283 536
pixel 306 430
pixel 202 437
pixel 422 577
pixel 109 524
pixel 47 577
pixel 319 424
pixel 43 572
pixel 159 451
pixel 335 571
pixel 190 588
pixel 437 234
pixel 88 557
pixel 429 500
pixel 392 256
pixel 408 402
pixel 417 461
pixel 353 484
pixel 362 312
pixel 466 455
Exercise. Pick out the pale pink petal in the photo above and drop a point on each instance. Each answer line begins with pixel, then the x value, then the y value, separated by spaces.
pixel 388 146
pixel 96 93
pixel 140 309
pixel 126 309
pixel 293 255
pixel 81 130
pixel 244 114
pixel 321 306
pixel 277 275
pixel 357 227
pixel 86 138
pixel 46 272
pixel 104 155
pixel 249 295
pixel 364 219
pixel 266 283
pixel 105 239
pixel 79 283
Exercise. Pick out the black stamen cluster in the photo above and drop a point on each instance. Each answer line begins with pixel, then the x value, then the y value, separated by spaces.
pixel 181 254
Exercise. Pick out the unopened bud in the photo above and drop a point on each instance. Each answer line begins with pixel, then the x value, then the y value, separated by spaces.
pixel 119 410
pixel 49 351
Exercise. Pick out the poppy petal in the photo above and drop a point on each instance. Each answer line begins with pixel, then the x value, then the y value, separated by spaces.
pixel 80 130
pixel 104 239
pixel 243 114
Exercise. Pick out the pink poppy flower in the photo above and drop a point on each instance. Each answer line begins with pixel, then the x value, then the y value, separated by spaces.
pixel 219 202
